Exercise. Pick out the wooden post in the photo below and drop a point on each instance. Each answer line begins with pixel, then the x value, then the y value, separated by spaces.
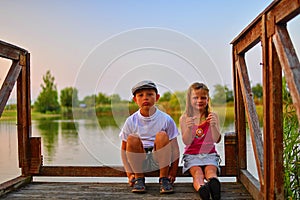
pixel 23 114
pixel 231 162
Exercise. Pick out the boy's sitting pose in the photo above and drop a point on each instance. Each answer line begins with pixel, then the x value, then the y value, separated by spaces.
pixel 149 141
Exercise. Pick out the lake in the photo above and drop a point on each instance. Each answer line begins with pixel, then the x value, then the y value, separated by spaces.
pixel 78 142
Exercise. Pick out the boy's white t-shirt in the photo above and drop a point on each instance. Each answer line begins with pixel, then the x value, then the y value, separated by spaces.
pixel 147 127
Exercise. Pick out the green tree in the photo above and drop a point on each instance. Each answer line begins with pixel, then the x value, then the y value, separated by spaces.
pixel 221 94
pixel 69 97
pixel 47 100
pixel 177 101
pixel 102 99
pixel 165 97
pixel 115 98
pixel 90 101
pixel 257 91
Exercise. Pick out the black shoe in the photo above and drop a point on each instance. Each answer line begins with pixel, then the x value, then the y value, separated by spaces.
pixel 165 186
pixel 139 185
pixel 215 188
pixel 204 192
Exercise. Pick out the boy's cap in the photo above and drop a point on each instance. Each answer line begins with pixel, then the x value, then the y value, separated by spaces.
pixel 144 85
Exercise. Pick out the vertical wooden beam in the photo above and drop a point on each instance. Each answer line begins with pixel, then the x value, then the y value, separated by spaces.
pixel 266 104
pixel 273 128
pixel 23 117
pixel 28 94
pixel 276 171
pixel 239 116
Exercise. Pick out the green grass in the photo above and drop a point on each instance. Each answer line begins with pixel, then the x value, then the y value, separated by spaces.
pixel 11 115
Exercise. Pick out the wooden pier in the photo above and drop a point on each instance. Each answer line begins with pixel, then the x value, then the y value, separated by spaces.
pixel 278 54
pixel 75 190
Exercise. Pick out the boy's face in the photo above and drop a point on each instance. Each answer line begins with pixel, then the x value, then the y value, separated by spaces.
pixel 146 98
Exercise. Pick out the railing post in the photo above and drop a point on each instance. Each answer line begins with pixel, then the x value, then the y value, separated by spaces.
pixel 230 142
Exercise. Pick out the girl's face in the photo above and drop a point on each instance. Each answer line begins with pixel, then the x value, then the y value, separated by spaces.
pixel 199 100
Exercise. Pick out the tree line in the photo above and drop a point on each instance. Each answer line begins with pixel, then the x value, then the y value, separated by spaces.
pixel 48 101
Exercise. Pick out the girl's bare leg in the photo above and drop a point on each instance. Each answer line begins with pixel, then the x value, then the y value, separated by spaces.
pixel 198 177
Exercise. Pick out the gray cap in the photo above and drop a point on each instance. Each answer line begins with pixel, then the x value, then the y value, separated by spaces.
pixel 144 85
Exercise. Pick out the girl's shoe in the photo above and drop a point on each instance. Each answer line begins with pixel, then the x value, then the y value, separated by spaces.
pixel 215 188
pixel 204 192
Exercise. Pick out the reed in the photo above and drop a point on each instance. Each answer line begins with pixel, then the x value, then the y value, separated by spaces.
pixel 291 154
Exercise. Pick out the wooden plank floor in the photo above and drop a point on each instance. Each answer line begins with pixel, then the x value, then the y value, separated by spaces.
pixel 80 190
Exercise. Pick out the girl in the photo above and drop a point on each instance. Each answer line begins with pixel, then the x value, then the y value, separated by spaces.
pixel 200 131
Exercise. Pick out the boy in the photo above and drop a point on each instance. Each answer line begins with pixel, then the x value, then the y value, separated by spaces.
pixel 149 141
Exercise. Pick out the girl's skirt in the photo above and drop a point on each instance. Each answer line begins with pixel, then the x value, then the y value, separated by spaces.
pixel 200 160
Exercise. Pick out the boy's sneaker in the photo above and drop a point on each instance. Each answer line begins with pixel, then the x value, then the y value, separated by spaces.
pixel 215 188
pixel 139 185
pixel 204 192
pixel 165 186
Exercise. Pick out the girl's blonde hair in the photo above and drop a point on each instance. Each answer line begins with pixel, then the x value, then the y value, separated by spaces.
pixel 188 107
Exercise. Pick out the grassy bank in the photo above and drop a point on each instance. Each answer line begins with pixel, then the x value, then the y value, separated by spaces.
pixel 11 115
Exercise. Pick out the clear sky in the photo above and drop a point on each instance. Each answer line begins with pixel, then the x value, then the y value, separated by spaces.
pixel 107 46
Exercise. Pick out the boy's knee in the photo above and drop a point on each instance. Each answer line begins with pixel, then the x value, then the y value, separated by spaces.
pixel 133 139
pixel 162 136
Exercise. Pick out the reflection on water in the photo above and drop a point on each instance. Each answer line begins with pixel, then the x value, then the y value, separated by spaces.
pixel 69 142
pixel 8 151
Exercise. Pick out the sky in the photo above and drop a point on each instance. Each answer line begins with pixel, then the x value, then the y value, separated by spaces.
pixel 108 46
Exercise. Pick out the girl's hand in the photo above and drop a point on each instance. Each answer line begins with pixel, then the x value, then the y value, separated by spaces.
pixel 212 119
pixel 190 121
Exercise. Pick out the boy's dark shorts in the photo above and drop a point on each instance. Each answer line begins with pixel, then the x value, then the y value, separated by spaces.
pixel 149 163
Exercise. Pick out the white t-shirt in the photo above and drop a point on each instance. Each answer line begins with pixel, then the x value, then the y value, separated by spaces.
pixel 147 127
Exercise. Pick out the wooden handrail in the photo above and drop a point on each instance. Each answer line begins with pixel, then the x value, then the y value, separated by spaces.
pixel 278 54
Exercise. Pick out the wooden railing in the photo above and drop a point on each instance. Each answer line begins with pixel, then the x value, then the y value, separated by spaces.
pixel 278 54
pixel 19 73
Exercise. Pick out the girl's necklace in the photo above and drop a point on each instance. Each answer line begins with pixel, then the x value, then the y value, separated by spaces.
pixel 199 130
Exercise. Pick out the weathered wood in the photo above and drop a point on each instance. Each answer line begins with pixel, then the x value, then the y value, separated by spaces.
pixel 283 10
pixel 279 11
pixel 252 116
pixel 290 64
pixel 14 184
pixel 23 117
pixel 239 117
pixel 251 184
pixel 10 51
pixel 69 190
pixel 106 171
pixel 36 155
pixel 269 27
pixel 248 39
pixel 230 141
pixel 8 84
pixel 274 138
pixel 266 103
